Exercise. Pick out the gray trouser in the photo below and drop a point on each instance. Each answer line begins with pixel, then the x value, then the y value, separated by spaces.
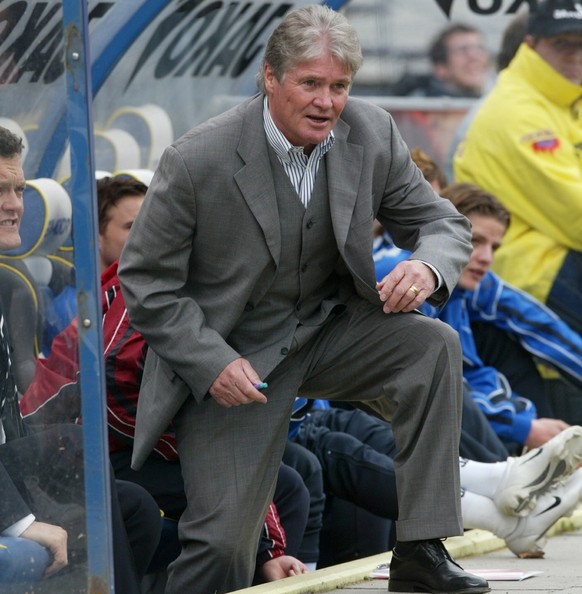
pixel 405 366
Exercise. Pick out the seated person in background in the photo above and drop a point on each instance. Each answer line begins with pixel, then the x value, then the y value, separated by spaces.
pixel 502 329
pixel 506 382
pixel 433 174
pixel 512 37
pixel 460 66
pixel 118 202
pixel 41 480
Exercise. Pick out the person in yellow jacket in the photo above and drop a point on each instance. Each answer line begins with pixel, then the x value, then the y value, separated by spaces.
pixel 525 147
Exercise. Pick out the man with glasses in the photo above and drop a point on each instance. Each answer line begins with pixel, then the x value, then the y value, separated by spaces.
pixel 460 66
pixel 525 147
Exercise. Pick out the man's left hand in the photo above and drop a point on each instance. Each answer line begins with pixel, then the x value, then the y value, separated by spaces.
pixel 407 286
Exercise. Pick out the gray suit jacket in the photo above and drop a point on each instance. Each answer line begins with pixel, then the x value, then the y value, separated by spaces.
pixel 207 241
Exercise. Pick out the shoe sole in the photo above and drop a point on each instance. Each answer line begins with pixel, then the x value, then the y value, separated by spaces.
pixel 407 586
pixel 520 500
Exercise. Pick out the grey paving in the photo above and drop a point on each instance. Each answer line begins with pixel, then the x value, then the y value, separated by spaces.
pixel 561 568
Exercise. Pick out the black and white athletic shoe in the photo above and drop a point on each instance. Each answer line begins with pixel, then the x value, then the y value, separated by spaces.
pixel 528 539
pixel 529 476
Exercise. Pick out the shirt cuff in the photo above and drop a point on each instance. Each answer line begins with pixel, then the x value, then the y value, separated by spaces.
pixel 19 527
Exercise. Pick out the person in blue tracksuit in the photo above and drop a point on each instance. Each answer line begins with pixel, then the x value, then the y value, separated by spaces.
pixel 504 332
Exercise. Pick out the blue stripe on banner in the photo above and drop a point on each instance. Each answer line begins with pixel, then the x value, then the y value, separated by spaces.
pixel 335 4
pixel 107 51
pixel 135 21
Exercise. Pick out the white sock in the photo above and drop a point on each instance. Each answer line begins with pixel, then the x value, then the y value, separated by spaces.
pixel 481 477
pixel 480 512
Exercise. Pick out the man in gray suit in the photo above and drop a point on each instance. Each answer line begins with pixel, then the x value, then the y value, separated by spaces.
pixel 250 261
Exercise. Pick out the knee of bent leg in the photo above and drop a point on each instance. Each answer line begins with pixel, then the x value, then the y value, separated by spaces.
pixel 443 338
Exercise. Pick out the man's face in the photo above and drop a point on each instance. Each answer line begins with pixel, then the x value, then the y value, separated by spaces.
pixel 11 206
pixel 488 234
pixel 467 62
pixel 563 53
pixel 121 217
pixel 307 103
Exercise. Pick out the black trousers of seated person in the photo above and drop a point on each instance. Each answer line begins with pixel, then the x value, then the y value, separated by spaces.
pixel 47 469
pixel 356 449
pixel 309 468
pixel 137 526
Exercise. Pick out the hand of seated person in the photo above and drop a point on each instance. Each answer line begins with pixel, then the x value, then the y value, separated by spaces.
pixel 53 538
pixel 542 430
pixel 281 567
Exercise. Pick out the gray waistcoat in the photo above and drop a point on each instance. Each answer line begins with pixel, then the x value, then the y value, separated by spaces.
pixel 305 286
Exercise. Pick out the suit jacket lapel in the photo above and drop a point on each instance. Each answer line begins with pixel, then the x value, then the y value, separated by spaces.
pixel 344 168
pixel 255 179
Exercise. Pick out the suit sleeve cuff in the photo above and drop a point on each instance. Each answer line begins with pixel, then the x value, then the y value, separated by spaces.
pixel 439 281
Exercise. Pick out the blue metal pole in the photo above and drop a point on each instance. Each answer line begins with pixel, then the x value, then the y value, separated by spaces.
pixel 85 238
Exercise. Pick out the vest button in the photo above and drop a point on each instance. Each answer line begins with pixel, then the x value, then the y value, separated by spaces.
pixel 298 307
pixel 284 351
pixel 304 268
pixel 310 224
pixel 249 307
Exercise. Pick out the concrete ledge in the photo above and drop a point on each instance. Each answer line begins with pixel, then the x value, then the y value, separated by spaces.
pixel 472 544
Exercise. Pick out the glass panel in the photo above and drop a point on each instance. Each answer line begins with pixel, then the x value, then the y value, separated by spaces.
pixel 158 73
pixel 49 542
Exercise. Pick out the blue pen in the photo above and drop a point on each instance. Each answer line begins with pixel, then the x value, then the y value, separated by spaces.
pixel 261 385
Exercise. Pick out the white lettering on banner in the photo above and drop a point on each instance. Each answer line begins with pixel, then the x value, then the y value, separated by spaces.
pixel 562 13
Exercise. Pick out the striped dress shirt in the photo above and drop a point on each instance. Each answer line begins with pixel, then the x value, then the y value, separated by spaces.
pixel 300 168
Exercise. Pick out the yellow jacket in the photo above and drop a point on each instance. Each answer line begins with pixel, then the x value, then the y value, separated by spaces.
pixel 525 147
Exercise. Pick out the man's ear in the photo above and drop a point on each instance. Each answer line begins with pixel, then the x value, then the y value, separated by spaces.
pixel 269 78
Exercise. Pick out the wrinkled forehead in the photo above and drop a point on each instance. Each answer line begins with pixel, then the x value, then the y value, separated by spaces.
pixel 11 169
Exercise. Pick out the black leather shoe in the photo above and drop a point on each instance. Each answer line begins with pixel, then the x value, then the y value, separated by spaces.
pixel 428 567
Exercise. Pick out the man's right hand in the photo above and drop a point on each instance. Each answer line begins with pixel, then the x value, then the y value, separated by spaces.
pixel 542 430
pixel 235 385
pixel 53 538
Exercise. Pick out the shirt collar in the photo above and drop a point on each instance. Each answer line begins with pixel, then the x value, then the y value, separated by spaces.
pixel 281 145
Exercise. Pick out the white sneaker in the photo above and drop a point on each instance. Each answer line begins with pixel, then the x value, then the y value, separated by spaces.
pixel 528 538
pixel 528 476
